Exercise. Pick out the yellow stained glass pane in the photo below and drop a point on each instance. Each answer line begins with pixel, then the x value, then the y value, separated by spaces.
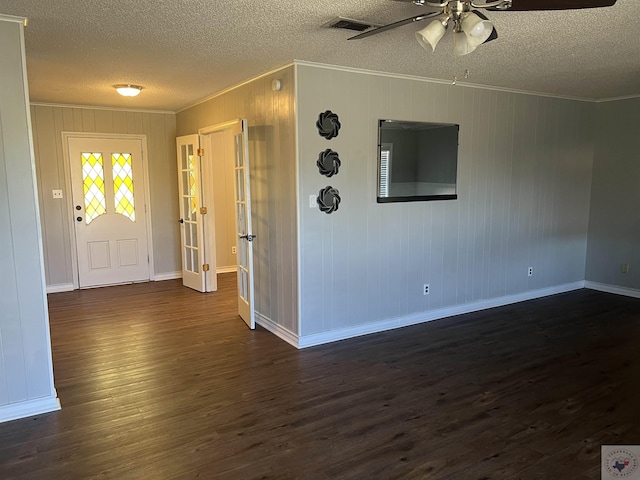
pixel 123 185
pixel 193 189
pixel 95 202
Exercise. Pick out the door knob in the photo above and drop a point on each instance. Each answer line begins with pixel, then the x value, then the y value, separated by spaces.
pixel 79 219
pixel 181 221
pixel 78 207
pixel 248 237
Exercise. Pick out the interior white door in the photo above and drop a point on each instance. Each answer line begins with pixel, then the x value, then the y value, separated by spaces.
pixel 194 268
pixel 243 224
pixel 108 188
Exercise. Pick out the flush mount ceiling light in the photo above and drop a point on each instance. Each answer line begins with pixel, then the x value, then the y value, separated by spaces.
pixel 127 90
pixel 470 27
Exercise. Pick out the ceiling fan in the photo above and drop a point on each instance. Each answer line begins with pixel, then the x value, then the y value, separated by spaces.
pixel 472 28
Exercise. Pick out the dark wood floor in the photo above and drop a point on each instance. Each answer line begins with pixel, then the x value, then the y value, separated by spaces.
pixel 160 382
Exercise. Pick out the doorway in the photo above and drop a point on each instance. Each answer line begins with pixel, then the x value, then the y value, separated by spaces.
pixel 110 218
pixel 218 190
pixel 215 203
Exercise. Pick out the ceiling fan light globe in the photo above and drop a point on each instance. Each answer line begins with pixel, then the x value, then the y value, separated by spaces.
pixel 477 28
pixel 430 35
pixel 461 44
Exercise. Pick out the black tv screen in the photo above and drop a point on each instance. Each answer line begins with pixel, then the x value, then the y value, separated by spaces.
pixel 417 161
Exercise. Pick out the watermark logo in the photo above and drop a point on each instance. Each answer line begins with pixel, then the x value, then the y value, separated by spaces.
pixel 621 461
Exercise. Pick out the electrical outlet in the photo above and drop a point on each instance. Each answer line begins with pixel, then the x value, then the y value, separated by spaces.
pixel 313 203
pixel 624 268
pixel 426 289
pixel 57 193
pixel 233 250
pixel 530 272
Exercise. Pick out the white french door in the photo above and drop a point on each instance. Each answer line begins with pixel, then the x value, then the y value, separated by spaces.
pixel 109 209
pixel 246 308
pixel 194 267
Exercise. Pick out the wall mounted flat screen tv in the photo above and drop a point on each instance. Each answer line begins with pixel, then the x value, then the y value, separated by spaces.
pixel 417 161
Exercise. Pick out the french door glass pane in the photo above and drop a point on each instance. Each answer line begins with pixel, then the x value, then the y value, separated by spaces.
pixel 193 187
pixel 240 209
pixel 188 261
pixel 240 184
pixel 196 263
pixel 183 157
pixel 194 235
pixel 243 284
pixel 238 150
pixel 242 257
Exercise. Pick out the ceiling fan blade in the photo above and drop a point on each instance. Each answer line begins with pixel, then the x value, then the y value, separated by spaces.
pixel 397 24
pixel 532 5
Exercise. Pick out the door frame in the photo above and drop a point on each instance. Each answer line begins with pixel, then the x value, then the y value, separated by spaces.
pixel 205 142
pixel 69 197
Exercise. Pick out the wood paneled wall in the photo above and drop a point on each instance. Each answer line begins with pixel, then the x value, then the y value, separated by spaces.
pixel 524 176
pixel 271 117
pixel 614 225
pixel 26 376
pixel 48 124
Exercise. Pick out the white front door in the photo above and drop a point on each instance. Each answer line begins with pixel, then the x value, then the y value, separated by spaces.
pixel 246 308
pixel 108 188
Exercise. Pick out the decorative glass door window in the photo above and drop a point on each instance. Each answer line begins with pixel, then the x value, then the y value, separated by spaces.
pixel 123 185
pixel 193 188
pixel 93 178
pixel 95 202
pixel 189 206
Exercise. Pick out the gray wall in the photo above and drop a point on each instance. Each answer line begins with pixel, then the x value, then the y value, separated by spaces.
pixel 524 176
pixel 48 124
pixel 614 225
pixel 25 351
pixel 271 117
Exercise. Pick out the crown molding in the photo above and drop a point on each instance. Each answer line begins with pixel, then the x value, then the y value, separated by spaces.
pixel 113 109
pixel 616 99
pixel 438 81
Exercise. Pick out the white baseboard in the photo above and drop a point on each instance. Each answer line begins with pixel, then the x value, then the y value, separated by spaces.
pixel 233 268
pixel 603 287
pixel 13 411
pixel 159 277
pixel 278 330
pixel 68 287
pixel 416 318
pixel 60 287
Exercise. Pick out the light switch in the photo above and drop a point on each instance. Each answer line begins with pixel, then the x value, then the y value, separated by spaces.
pixel 312 201
pixel 57 194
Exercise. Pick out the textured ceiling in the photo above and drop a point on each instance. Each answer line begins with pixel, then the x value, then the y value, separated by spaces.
pixel 183 51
